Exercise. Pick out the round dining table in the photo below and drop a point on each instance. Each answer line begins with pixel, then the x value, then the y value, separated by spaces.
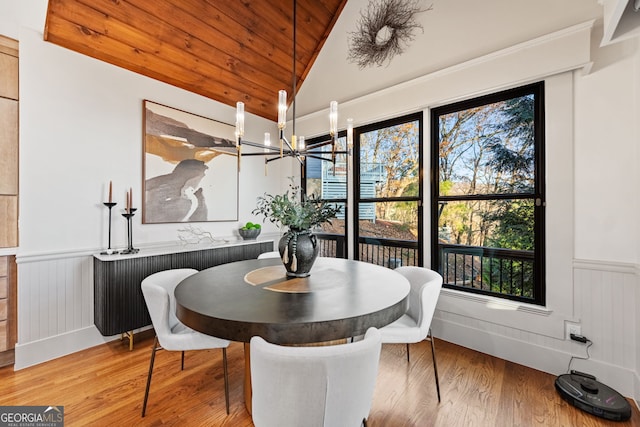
pixel 340 299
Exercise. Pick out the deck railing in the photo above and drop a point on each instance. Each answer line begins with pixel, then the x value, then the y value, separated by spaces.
pixel 386 252
pixel 485 270
pixel 488 270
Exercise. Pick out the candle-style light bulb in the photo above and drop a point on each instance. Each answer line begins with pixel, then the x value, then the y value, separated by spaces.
pixel 301 145
pixel 282 109
pixel 350 133
pixel 239 119
pixel 267 141
pixel 333 118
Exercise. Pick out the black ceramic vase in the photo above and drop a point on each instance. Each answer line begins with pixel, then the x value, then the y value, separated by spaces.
pixel 298 251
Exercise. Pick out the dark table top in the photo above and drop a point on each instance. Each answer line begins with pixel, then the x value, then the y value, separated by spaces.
pixel 340 299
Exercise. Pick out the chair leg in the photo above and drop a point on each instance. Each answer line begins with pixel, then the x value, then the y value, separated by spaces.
pixel 153 358
pixel 182 362
pixel 226 378
pixel 407 352
pixel 435 366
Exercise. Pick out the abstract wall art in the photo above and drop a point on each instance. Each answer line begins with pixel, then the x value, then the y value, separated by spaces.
pixel 190 168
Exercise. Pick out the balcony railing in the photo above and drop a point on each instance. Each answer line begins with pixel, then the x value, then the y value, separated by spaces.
pixel 332 245
pixel 386 252
pixel 485 270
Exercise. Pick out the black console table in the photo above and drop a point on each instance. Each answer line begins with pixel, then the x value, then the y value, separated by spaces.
pixel 119 305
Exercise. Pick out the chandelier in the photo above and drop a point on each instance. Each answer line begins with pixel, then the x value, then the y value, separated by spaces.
pixel 296 147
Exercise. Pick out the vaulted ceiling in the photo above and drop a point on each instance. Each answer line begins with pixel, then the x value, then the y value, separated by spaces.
pixel 241 50
pixel 228 51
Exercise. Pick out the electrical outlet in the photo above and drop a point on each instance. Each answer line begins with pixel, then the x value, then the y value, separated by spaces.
pixel 572 328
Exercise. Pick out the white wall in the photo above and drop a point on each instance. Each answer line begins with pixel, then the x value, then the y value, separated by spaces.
pixel 80 127
pixel 591 103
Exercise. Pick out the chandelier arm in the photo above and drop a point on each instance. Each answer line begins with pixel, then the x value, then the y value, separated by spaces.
pixel 259 145
pixel 287 154
pixel 321 144
pixel 259 154
pixel 308 152
pixel 313 156
pixel 286 141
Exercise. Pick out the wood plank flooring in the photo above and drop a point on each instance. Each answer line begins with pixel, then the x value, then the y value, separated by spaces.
pixel 104 386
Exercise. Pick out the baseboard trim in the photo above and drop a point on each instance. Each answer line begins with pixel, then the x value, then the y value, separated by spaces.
pixel 550 360
pixel 40 351
pixel 50 348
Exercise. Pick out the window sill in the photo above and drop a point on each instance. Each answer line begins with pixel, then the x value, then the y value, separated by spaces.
pixel 496 303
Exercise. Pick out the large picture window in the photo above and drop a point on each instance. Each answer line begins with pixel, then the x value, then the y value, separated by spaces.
pixel 487 206
pixel 388 192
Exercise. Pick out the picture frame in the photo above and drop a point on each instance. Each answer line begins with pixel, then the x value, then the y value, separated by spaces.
pixel 190 168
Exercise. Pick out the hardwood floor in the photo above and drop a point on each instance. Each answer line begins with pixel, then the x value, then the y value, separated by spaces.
pixel 104 386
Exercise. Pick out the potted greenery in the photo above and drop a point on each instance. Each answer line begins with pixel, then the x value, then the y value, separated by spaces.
pixel 300 214
pixel 250 231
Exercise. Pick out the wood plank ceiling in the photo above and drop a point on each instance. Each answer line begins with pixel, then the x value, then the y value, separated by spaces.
pixel 228 51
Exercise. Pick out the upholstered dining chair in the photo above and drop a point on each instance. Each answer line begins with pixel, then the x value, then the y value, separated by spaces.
pixel 314 386
pixel 158 290
pixel 273 254
pixel 415 325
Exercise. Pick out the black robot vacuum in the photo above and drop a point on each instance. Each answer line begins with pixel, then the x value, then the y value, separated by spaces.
pixel 584 392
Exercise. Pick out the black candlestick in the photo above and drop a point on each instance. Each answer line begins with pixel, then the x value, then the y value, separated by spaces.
pixel 130 249
pixel 109 251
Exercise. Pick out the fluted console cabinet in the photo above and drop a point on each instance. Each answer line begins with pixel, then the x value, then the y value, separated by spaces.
pixel 119 306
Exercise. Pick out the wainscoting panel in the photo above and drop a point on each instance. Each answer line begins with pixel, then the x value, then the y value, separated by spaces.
pixel 55 296
pixel 605 303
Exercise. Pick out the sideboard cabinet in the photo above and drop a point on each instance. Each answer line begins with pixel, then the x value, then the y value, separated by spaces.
pixel 119 306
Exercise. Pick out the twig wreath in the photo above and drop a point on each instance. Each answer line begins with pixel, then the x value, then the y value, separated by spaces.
pixel 383 31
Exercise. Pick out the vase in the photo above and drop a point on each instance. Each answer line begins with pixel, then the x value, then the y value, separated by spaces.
pixel 298 251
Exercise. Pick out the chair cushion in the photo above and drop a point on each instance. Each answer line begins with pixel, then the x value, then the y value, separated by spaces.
pixel 403 330
pixel 184 338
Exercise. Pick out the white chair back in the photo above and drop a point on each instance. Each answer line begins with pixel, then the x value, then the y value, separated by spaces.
pixel 314 386
pixel 423 296
pixel 158 290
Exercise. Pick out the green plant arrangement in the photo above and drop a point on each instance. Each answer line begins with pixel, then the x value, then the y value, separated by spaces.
pixel 295 210
pixel 301 214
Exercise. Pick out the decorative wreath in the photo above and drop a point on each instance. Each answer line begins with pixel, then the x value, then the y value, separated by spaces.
pixel 383 31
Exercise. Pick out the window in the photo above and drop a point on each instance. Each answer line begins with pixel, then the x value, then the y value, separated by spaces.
pixel 487 207
pixel 388 192
pixel 328 181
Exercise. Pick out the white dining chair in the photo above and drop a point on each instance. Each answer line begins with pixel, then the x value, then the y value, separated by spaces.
pixel 415 325
pixel 265 255
pixel 171 335
pixel 329 386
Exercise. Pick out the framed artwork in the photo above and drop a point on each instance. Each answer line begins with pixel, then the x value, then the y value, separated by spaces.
pixel 190 168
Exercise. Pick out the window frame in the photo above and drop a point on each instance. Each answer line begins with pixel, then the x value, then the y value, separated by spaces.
pixel 538 196
pixel 419 117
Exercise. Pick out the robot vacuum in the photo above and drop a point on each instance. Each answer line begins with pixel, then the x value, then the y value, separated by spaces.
pixel 584 392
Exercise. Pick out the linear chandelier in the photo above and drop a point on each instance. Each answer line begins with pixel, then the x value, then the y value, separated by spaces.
pixel 296 148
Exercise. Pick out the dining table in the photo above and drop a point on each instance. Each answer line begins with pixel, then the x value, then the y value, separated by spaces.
pixel 339 300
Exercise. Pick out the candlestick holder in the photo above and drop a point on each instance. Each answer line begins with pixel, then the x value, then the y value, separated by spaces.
pixel 109 251
pixel 130 249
